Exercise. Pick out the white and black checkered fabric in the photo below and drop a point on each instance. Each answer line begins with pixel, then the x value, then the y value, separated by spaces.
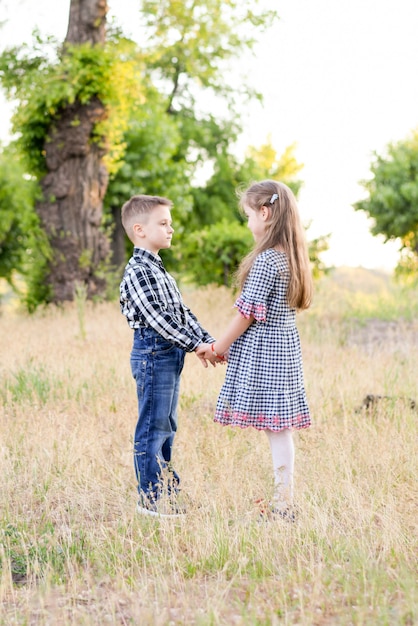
pixel 149 297
pixel 264 385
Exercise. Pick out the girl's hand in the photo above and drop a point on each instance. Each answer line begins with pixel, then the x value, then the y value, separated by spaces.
pixel 205 350
pixel 204 353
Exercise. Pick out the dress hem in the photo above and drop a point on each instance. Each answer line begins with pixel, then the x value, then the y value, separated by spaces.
pixel 274 429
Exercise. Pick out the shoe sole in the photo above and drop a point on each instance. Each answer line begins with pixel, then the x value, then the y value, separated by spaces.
pixel 269 513
pixel 144 511
pixel 279 515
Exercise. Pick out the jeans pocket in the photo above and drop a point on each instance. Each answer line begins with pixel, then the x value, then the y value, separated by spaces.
pixel 162 346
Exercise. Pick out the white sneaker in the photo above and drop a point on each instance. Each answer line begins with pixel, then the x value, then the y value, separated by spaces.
pixel 160 509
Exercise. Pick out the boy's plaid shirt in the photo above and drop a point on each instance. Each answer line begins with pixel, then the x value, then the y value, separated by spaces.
pixel 149 297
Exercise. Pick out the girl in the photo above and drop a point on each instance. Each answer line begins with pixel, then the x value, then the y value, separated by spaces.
pixel 264 385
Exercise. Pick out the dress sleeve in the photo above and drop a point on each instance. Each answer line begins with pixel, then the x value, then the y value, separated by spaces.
pixel 259 284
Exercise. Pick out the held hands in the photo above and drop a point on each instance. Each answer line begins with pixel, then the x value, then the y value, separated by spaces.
pixel 205 353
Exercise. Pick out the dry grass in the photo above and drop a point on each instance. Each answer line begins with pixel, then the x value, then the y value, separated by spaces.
pixel 73 551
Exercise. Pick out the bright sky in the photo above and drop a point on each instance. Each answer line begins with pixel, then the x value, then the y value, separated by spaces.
pixel 338 78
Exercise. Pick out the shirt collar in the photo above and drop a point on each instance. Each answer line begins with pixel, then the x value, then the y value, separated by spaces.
pixel 140 254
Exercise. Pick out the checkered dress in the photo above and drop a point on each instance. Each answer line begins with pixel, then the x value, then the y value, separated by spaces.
pixel 264 385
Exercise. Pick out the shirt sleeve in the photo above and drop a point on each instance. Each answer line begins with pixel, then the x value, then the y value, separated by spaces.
pixel 259 284
pixel 147 299
pixel 194 323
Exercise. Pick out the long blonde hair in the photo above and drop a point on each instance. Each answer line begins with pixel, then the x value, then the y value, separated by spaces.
pixel 284 230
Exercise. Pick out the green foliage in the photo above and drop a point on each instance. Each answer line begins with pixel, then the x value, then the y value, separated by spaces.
pixel 20 233
pixel 151 163
pixel 171 143
pixel 190 41
pixel 45 80
pixel 393 198
pixel 316 247
pixel 164 154
pixel 212 255
pixel 149 95
pixel 264 162
pixel 407 268
pixel 37 289
pixel 44 87
pixel 259 163
pixel 158 140
pixel 34 557
pixel 30 384
pixel 217 198
pixel 15 205
pixel 219 248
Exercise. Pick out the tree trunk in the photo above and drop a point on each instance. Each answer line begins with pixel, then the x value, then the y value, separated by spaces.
pixel 118 240
pixel 76 180
pixel 87 21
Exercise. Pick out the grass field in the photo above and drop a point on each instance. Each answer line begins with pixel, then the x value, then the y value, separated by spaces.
pixel 72 549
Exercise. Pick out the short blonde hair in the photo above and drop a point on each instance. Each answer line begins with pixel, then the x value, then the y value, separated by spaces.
pixel 138 208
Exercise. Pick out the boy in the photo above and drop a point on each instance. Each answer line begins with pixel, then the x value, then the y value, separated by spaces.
pixel 164 330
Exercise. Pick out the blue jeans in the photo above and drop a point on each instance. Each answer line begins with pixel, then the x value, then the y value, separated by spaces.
pixel 156 367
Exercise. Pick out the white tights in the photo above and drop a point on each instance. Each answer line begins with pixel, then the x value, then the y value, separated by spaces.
pixel 283 456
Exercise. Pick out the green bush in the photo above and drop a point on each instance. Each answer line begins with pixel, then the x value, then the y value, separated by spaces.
pixel 212 255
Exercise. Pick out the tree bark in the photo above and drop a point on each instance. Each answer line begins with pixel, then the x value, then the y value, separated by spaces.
pixel 73 189
pixel 87 21
pixel 118 240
